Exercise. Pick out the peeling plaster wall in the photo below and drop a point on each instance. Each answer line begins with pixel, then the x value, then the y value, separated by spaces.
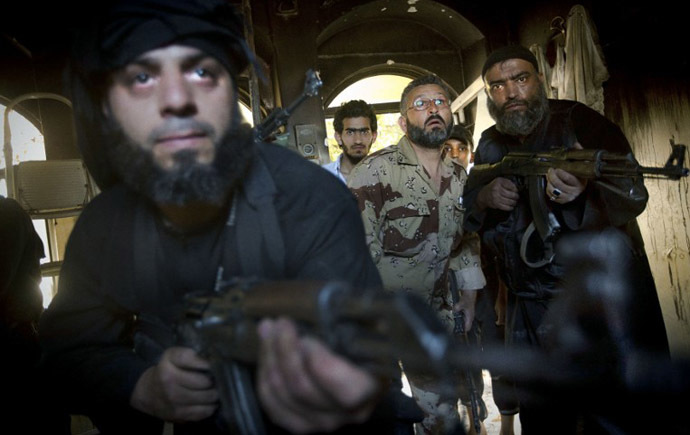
pixel 657 111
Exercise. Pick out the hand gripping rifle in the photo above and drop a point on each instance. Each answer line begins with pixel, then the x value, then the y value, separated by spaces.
pixel 279 117
pixel 371 328
pixel 584 163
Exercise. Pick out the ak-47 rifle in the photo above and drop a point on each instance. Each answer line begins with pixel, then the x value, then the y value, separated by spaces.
pixel 279 117
pixel 371 328
pixel 583 163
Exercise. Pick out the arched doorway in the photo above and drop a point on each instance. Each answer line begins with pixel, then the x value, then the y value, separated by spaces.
pixel 384 39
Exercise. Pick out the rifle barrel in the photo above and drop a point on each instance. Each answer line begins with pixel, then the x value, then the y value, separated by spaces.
pixel 672 172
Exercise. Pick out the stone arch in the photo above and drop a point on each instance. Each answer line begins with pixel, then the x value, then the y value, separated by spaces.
pixel 383 37
pixel 404 70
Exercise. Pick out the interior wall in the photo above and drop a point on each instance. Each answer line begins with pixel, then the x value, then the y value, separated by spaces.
pixel 656 112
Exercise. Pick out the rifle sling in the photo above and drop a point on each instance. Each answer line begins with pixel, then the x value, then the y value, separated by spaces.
pixel 260 240
pixel 543 220
pixel 261 255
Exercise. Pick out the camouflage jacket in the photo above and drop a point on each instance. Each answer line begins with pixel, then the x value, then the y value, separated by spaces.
pixel 415 234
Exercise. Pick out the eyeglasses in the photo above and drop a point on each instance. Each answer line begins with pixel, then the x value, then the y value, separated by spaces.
pixel 423 103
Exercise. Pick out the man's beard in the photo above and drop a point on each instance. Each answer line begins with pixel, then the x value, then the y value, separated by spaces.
pixel 517 122
pixel 189 181
pixel 354 159
pixel 428 139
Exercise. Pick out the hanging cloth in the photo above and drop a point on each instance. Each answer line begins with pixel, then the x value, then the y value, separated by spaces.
pixel 585 71
pixel 558 73
pixel 544 68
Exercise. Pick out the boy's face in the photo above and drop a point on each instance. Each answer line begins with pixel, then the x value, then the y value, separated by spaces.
pixel 459 151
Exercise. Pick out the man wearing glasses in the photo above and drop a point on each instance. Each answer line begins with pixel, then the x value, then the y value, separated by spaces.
pixel 355 131
pixel 411 205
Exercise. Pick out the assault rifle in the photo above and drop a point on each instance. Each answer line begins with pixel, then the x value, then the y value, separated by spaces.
pixel 376 329
pixel 371 328
pixel 279 117
pixel 583 163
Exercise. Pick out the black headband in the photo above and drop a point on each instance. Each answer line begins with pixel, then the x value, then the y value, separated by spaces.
pixel 509 52
pixel 128 28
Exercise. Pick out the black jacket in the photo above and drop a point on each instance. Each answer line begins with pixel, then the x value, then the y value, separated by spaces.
pixel 122 266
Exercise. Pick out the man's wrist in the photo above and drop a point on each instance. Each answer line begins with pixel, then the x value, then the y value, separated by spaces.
pixel 139 399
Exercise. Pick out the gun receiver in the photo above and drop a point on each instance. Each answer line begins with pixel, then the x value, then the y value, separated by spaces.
pixel 594 164
pixel 279 117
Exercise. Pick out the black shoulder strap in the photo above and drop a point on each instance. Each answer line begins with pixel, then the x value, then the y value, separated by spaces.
pixel 259 237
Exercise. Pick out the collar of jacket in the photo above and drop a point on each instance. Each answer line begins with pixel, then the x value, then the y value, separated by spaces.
pixel 407 156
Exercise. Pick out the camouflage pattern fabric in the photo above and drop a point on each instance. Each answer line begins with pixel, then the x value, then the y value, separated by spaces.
pixel 414 233
pixel 415 237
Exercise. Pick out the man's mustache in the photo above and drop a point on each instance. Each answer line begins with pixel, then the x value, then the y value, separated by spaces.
pixel 511 103
pixel 433 117
pixel 176 125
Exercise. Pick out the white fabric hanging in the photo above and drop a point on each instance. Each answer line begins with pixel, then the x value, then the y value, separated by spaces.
pixel 558 73
pixel 544 68
pixel 585 71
